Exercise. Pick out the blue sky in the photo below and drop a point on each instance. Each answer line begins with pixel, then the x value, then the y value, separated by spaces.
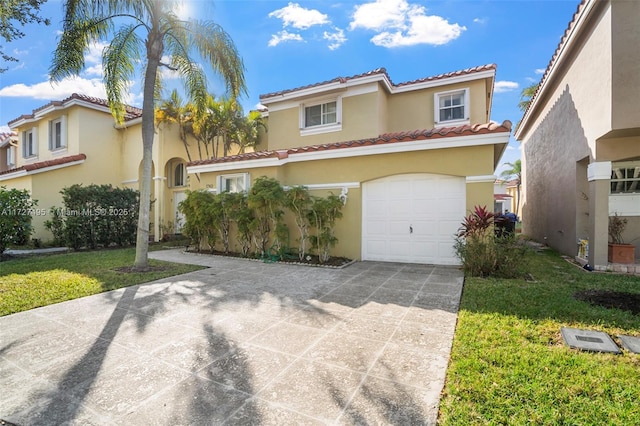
pixel 287 44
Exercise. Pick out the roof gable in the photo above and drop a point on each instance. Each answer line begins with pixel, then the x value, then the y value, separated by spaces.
pixel 75 99
pixel 380 75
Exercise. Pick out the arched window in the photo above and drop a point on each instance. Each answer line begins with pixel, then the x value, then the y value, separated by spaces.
pixel 179 175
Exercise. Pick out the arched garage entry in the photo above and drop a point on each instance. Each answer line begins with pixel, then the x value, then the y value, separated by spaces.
pixel 412 218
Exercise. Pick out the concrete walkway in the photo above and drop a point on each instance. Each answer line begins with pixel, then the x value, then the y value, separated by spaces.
pixel 238 343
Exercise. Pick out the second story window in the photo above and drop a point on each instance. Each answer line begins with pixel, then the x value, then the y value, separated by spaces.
pixel 57 134
pixel 11 157
pixel 318 115
pixel 625 178
pixel 321 116
pixel 452 106
pixel 30 143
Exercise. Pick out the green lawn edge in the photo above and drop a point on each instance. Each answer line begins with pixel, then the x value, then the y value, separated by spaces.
pixel 509 364
pixel 33 281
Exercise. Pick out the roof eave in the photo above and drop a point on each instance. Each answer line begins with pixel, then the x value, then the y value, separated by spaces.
pixel 556 62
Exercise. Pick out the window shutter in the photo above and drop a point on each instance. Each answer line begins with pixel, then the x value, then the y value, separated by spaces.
pixel 35 140
pixel 63 131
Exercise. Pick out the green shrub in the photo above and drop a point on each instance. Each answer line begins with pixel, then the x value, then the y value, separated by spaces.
pixel 485 252
pixel 16 211
pixel 324 213
pixel 95 215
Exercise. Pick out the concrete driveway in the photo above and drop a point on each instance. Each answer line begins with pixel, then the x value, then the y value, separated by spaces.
pixel 239 343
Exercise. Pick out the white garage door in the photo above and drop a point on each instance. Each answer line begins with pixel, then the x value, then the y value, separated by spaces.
pixel 412 218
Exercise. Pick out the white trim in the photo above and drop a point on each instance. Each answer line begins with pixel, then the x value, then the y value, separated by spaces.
pixel 323 128
pixel 324 88
pixel 419 145
pixel 220 180
pixel 23 172
pixel 600 170
pixel 481 179
pixel 624 204
pixel 14 175
pixel 320 128
pixel 159 178
pixel 466 105
pixel 52 108
pixel 235 165
pixel 321 186
pixel 128 182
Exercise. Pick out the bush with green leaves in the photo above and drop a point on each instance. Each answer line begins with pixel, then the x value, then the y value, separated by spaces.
pixel 323 213
pixel 266 199
pixel 257 219
pixel 485 252
pixel 95 215
pixel 16 212
pixel 199 218
pixel 299 201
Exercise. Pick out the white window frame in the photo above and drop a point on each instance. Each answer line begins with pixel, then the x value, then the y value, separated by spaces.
pixel 455 122
pixel 33 152
pixel 11 157
pixel 320 128
pixel 53 146
pixel 171 172
pixel 221 181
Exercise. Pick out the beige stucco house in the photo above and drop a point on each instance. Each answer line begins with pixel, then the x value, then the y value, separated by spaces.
pixel 75 141
pixel 581 134
pixel 409 159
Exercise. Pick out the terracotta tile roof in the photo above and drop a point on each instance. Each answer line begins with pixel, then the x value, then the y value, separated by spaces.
pixel 501 197
pixel 47 163
pixel 555 55
pixel 387 138
pixel 383 71
pixel 6 136
pixel 130 112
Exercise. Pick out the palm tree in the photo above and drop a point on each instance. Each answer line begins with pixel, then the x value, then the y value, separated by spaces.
pixel 514 173
pixel 153 31
pixel 249 131
pixel 526 95
pixel 173 111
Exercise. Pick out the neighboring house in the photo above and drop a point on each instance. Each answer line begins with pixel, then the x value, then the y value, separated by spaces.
pixel 8 150
pixel 75 141
pixel 410 159
pixel 502 200
pixel 581 133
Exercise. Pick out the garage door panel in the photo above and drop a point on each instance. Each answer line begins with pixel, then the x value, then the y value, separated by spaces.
pixel 397 228
pixel 433 205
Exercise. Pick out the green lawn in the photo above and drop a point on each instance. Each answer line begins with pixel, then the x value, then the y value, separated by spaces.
pixel 33 281
pixel 509 364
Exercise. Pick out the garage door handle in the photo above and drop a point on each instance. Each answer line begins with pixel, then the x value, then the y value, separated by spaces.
pixel 410 229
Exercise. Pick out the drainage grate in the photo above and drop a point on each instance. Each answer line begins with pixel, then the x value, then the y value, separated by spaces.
pixel 630 343
pixel 589 340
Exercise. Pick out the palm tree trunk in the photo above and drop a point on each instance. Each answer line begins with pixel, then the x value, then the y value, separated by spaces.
pixel 154 53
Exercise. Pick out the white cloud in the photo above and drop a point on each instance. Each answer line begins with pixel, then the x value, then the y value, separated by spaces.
pixel 63 89
pixel 402 24
pixel 18 52
pixel 284 35
pixel 299 17
pixel 540 70
pixel 505 86
pixel 94 55
pixel 5 129
pixel 480 20
pixel 336 39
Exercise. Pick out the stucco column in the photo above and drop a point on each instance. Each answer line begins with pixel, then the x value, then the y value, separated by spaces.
pixel 599 177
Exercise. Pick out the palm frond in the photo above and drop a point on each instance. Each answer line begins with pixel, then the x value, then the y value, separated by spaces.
pixel 219 51
pixel 119 59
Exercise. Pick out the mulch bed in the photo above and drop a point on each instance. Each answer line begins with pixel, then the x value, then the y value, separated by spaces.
pixel 132 269
pixel 309 260
pixel 611 299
